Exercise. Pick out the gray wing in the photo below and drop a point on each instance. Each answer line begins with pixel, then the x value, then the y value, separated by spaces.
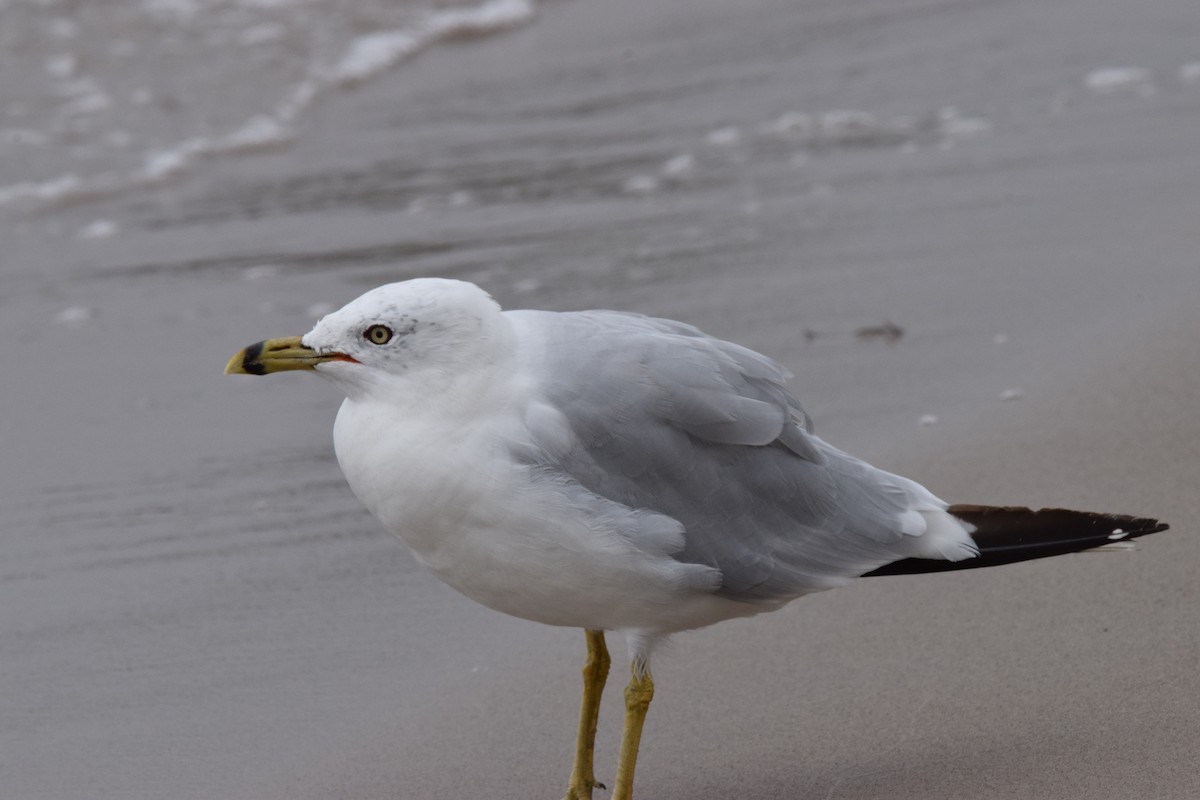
pixel 665 419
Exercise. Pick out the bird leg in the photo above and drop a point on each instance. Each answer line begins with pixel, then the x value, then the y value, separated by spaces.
pixel 638 695
pixel 595 672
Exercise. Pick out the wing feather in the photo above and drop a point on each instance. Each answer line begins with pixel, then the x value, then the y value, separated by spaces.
pixel 665 420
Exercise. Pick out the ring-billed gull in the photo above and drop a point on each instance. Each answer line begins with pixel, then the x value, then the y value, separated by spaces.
pixel 616 472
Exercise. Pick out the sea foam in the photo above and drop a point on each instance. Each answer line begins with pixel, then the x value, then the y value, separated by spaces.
pixel 362 58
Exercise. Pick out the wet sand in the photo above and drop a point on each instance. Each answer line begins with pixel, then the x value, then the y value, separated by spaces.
pixel 193 605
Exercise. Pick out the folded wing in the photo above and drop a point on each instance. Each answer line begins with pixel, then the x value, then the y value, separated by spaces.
pixel 662 418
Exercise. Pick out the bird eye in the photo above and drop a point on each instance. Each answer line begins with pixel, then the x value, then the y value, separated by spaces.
pixel 378 334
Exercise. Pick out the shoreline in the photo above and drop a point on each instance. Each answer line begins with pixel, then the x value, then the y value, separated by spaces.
pixel 199 608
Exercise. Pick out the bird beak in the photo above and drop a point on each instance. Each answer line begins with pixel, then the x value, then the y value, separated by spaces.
pixel 278 355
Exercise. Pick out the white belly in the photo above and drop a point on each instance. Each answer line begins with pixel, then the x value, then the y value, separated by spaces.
pixel 477 521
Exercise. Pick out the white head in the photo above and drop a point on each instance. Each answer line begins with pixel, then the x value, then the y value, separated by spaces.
pixel 429 330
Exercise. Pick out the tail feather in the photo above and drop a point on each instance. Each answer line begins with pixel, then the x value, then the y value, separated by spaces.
pixel 1007 534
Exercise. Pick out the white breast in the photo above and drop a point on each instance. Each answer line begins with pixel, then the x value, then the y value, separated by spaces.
pixel 448 488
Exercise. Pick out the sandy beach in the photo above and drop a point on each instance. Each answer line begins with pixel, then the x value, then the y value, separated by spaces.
pixel 193 605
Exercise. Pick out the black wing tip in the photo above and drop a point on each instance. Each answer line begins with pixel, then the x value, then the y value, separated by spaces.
pixel 1130 525
pixel 1009 534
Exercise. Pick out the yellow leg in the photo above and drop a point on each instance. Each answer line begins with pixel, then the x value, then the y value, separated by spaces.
pixel 638 695
pixel 595 673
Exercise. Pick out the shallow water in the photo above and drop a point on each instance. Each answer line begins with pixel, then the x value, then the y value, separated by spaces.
pixel 191 602
pixel 106 98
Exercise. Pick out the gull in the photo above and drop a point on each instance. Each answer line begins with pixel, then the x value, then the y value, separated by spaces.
pixel 616 472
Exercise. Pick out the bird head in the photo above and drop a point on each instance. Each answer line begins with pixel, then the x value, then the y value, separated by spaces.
pixel 417 329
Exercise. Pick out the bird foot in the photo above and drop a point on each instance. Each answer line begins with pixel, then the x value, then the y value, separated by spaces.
pixel 582 789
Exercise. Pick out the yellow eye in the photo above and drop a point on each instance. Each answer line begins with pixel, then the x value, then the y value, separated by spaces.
pixel 378 334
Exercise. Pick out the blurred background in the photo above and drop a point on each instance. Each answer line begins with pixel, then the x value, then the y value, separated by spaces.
pixel 969 228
